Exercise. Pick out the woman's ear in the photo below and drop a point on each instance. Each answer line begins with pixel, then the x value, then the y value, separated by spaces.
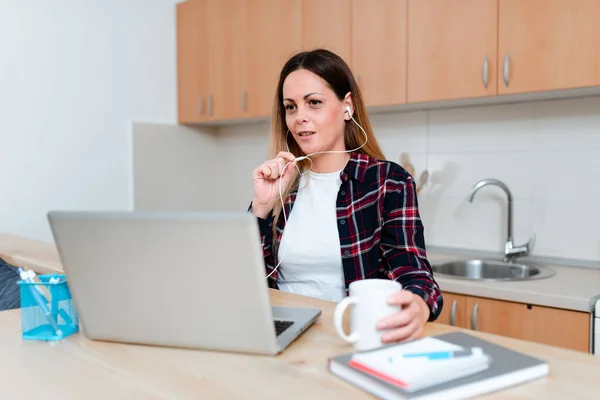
pixel 348 107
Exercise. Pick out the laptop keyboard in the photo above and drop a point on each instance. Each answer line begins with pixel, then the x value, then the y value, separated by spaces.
pixel 281 326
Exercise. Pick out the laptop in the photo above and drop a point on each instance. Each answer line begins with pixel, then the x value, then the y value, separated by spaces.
pixel 194 280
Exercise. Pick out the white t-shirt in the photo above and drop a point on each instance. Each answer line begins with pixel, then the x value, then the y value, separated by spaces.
pixel 310 246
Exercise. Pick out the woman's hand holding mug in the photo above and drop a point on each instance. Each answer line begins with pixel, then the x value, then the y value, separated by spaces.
pixel 381 313
pixel 407 324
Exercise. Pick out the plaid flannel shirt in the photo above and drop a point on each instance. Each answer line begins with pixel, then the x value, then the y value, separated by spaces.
pixel 380 229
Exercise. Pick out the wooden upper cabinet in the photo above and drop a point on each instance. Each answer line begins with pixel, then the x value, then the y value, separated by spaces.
pixel 192 75
pixel 379 50
pixel 230 52
pixel 226 58
pixel 274 34
pixel 552 326
pixel 451 45
pixel 327 24
pixel 548 44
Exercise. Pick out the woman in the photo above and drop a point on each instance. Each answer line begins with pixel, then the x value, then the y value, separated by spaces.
pixel 349 214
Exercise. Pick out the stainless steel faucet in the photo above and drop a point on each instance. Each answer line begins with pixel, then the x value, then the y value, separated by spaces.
pixel 511 252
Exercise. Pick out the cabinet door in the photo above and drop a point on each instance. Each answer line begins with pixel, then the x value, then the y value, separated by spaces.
pixel 192 74
pixel 452 49
pixel 274 34
pixel 379 50
pixel 454 310
pixel 226 25
pixel 552 326
pixel 548 44
pixel 326 24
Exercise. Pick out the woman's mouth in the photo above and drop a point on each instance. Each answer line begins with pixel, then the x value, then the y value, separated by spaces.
pixel 305 133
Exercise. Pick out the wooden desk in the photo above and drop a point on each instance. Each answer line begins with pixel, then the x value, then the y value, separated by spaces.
pixel 78 368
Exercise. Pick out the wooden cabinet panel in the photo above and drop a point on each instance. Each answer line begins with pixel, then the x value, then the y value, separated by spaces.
pixel 550 44
pixel 274 34
pixel 226 55
pixel 379 50
pixel 192 77
pixel 454 310
pixel 230 52
pixel 555 327
pixel 326 24
pixel 448 43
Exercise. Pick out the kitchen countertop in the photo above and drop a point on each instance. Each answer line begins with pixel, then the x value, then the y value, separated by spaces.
pixel 573 287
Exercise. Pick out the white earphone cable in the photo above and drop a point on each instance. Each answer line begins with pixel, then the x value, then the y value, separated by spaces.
pixel 311 164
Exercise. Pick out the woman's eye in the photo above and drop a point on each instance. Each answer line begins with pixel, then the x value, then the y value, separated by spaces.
pixel 314 102
pixel 289 107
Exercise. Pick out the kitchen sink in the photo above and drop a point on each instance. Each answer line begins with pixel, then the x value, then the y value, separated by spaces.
pixel 493 270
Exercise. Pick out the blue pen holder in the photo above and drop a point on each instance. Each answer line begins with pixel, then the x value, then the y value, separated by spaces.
pixel 47 309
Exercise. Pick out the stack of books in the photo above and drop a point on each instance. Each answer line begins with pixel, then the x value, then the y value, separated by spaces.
pixel 450 366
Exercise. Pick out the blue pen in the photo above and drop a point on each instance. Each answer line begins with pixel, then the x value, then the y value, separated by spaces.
pixel 439 355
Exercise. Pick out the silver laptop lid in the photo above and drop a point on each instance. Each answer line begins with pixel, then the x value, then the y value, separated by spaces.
pixel 180 279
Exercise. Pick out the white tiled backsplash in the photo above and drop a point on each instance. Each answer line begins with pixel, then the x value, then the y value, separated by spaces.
pixel 548 153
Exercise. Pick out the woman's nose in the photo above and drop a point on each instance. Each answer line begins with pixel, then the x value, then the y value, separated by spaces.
pixel 301 116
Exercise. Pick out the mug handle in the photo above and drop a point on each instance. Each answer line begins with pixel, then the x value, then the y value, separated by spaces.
pixel 337 319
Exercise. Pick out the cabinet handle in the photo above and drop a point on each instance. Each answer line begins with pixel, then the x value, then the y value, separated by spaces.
pixel 201 105
pixel 453 313
pixel 210 105
pixel 244 101
pixel 485 72
pixel 506 61
pixel 474 317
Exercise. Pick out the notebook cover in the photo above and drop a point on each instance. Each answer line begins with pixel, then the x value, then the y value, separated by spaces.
pixel 503 361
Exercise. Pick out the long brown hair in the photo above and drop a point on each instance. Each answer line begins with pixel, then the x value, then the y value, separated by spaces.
pixel 334 70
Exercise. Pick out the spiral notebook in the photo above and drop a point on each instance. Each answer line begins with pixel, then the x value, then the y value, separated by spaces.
pixel 391 372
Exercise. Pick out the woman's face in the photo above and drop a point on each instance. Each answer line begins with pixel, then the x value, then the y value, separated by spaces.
pixel 313 113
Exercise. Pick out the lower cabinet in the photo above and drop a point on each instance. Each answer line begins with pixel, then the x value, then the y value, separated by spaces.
pixel 547 325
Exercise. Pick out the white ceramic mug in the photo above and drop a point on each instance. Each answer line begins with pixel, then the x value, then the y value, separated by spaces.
pixel 368 298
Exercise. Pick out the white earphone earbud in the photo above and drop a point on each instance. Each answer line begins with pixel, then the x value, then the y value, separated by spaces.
pixel 348 109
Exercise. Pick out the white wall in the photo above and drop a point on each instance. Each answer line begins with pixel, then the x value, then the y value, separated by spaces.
pixel 76 75
pixel 174 168
pixel 73 77
pixel 548 153
pixel 240 150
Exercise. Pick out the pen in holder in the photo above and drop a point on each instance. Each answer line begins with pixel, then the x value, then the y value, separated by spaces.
pixel 47 308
